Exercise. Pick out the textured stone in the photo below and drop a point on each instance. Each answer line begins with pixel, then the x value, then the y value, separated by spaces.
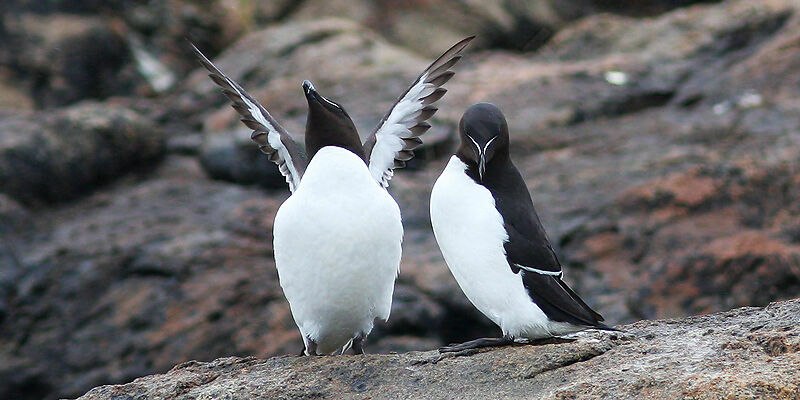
pixel 130 280
pixel 56 156
pixel 748 353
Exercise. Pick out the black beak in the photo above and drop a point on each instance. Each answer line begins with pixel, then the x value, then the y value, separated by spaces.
pixel 312 94
pixel 308 88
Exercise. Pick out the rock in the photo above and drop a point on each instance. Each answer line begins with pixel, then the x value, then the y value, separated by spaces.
pixel 61 59
pixel 649 8
pixel 427 26
pixel 12 97
pixel 133 280
pixel 13 217
pixel 61 52
pixel 710 239
pixel 744 353
pixel 57 156
pixel 12 214
pixel 232 156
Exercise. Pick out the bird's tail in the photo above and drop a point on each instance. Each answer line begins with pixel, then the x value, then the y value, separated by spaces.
pixel 603 327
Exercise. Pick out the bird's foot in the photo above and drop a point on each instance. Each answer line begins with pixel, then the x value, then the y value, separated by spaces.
pixel 548 340
pixel 309 348
pixel 358 344
pixel 477 344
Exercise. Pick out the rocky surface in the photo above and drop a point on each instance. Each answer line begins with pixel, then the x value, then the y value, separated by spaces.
pixel 747 353
pixel 56 156
pixel 660 146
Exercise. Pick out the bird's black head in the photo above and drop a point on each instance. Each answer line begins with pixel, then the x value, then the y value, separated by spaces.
pixel 328 124
pixel 484 136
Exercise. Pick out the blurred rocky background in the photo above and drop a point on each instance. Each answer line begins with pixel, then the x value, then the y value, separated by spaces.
pixel 659 139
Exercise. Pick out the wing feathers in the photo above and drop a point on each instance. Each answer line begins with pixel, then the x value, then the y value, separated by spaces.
pixel 420 128
pixel 387 147
pixel 558 301
pixel 427 112
pixel 445 66
pixel 271 138
pixel 412 143
pixel 441 79
pixel 433 97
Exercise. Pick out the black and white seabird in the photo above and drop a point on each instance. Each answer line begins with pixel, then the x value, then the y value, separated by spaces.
pixel 493 242
pixel 337 237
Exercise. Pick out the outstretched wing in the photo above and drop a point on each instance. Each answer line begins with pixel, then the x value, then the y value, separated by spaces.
pixel 270 136
pixel 393 141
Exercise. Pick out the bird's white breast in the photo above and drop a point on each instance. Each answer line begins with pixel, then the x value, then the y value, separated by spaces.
pixel 337 249
pixel 470 233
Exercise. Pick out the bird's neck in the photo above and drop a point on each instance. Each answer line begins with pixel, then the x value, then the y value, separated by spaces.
pixel 495 168
pixel 346 139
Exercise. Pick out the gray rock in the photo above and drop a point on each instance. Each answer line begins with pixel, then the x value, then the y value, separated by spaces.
pixel 56 156
pixel 232 156
pixel 745 353
pixel 133 279
pixel 519 25
pixel 61 59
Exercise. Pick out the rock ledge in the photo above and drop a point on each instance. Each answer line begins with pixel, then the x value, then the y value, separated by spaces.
pixel 742 353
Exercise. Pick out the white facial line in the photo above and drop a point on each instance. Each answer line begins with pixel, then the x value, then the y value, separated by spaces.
pixel 487 144
pixel 329 102
pixel 476 143
pixel 539 271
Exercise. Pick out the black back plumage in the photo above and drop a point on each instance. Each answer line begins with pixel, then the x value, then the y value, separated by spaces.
pixel 528 248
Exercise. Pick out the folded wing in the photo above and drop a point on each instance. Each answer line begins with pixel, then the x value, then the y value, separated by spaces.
pixel 530 254
pixel 270 136
pixel 393 141
pixel 558 301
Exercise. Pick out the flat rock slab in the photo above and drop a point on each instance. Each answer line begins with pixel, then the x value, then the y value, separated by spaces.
pixel 746 353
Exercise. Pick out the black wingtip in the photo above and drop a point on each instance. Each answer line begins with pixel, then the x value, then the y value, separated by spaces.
pixel 204 61
pixel 195 50
pixel 466 40
pixel 463 43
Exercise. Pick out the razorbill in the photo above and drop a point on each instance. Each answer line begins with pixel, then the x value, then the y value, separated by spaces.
pixel 337 237
pixel 493 242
